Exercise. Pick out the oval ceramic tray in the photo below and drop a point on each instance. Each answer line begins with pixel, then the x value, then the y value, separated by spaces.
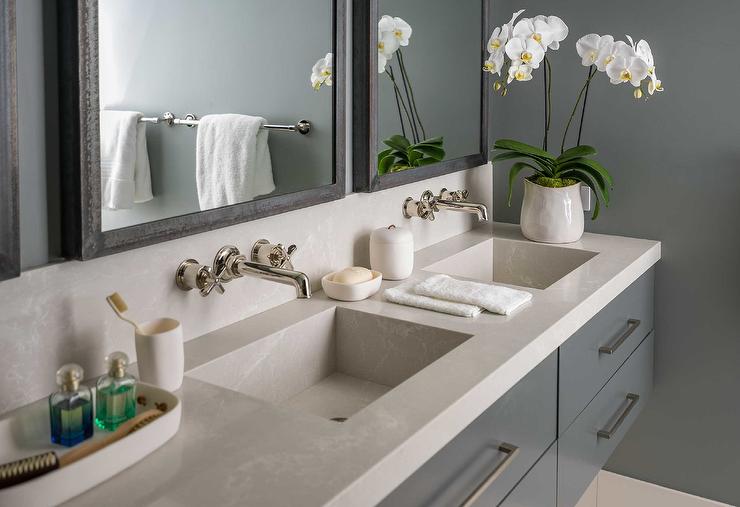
pixel 25 432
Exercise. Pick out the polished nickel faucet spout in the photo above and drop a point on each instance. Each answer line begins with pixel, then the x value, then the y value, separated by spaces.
pixel 299 280
pixel 466 207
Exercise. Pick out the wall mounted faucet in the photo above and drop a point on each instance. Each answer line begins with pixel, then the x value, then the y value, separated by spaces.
pixel 269 261
pixel 429 204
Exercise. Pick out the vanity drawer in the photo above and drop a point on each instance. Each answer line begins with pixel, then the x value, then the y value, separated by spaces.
pixel 587 444
pixel 591 356
pixel 539 486
pixel 494 452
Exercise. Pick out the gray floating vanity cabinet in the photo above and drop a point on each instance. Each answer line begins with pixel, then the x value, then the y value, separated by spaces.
pixel 544 441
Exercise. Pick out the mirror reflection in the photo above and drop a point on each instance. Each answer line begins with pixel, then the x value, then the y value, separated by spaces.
pixel 429 82
pixel 209 103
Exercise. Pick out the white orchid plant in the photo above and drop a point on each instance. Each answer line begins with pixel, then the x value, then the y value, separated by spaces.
pixel 322 72
pixel 411 148
pixel 516 49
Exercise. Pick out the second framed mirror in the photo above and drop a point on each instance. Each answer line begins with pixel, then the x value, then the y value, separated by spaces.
pixel 420 93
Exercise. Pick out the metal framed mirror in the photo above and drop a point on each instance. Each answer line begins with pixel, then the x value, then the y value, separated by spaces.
pixel 266 118
pixel 419 92
pixel 9 220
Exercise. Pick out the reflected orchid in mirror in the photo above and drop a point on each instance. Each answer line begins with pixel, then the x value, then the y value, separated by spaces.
pixel 411 148
pixel 323 72
pixel 517 49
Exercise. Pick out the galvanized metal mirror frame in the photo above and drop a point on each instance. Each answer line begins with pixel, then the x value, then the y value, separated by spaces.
pixel 83 237
pixel 9 218
pixel 365 17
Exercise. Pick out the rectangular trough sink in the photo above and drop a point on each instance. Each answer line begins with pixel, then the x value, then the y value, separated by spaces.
pixel 521 263
pixel 332 364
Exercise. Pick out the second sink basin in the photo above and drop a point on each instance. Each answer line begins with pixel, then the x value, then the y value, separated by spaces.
pixel 332 364
pixel 513 262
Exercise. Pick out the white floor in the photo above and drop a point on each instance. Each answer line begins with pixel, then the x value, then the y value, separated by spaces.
pixel 613 490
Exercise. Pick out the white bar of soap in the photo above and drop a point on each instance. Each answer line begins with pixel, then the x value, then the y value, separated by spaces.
pixel 353 275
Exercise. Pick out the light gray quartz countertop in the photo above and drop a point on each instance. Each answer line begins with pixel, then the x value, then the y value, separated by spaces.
pixel 233 449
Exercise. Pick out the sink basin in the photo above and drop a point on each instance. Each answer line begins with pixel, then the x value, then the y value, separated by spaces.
pixel 521 263
pixel 332 364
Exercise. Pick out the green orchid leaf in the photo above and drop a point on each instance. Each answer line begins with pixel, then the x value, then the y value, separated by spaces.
pixel 589 162
pixel 385 164
pixel 516 168
pixel 383 154
pixel 591 178
pixel 577 152
pixel 430 151
pixel 433 140
pixel 593 174
pixel 510 144
pixel 397 142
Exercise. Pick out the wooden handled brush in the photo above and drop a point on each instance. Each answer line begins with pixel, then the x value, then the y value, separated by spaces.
pixel 119 306
pixel 26 469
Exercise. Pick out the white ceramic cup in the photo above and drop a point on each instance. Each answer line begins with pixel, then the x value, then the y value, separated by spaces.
pixel 160 353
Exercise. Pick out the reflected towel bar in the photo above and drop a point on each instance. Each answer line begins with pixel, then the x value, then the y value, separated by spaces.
pixel 190 120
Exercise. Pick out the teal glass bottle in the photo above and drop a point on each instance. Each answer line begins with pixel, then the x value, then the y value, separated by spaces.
pixel 70 408
pixel 115 400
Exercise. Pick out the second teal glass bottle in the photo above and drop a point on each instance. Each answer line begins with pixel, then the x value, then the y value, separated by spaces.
pixel 115 399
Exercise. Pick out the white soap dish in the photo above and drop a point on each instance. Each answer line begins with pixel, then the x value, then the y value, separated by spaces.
pixel 24 432
pixel 351 292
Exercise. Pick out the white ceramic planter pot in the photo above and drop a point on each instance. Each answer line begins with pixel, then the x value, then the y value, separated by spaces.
pixel 552 215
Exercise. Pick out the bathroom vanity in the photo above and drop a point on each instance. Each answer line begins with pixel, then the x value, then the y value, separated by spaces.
pixel 318 402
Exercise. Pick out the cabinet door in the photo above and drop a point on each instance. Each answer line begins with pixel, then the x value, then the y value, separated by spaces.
pixel 587 444
pixel 489 457
pixel 539 486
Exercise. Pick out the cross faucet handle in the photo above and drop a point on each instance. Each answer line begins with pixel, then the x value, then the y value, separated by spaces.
pixel 453 195
pixel 275 255
pixel 211 281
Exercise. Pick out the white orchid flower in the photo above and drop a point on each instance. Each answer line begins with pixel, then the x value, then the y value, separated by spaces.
pixel 519 72
pixel 494 63
pixel 322 72
pixel 535 29
pixel 588 48
pixel 382 62
pixel 610 50
pixel 558 29
pixel 624 69
pixel 643 51
pixel 510 24
pixel 498 39
pixel 525 51
pixel 402 31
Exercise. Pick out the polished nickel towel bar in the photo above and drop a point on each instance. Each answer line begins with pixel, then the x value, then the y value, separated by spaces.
pixel 190 120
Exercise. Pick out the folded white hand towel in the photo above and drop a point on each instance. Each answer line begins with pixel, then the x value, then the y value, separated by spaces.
pixel 494 298
pixel 233 162
pixel 125 176
pixel 404 295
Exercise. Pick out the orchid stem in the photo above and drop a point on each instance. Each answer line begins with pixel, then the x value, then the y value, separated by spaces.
pixel 411 91
pixel 548 101
pixel 408 100
pixel 591 74
pixel 389 72
pixel 583 110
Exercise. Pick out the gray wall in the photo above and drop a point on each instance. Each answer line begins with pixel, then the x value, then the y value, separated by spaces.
pixel 676 163
pixel 228 56
pixel 443 63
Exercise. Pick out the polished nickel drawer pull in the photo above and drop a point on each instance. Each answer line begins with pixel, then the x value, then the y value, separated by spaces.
pixel 511 451
pixel 632 324
pixel 632 401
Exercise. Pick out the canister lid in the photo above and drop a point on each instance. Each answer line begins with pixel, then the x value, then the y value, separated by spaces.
pixel 392 234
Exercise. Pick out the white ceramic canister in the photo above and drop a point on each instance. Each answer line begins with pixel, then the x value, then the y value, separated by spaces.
pixel 392 252
pixel 160 354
